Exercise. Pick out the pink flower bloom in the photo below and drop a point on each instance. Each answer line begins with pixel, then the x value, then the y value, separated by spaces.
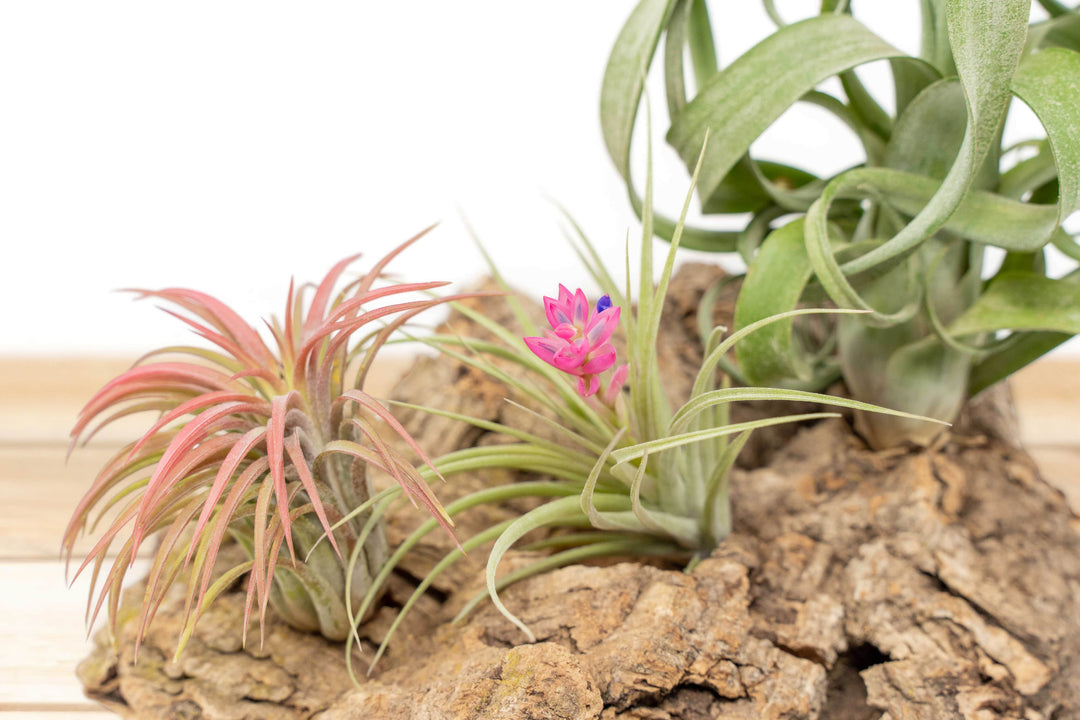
pixel 578 341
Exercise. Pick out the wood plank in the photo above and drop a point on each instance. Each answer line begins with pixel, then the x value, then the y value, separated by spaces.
pixel 1047 396
pixel 44 637
pixel 38 492
pixel 1060 466
pixel 54 712
pixel 43 395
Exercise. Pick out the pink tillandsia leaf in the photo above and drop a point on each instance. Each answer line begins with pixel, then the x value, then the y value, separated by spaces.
pixel 239 434
pixel 292 446
pixel 219 316
pixel 376 271
pixel 147 379
pixel 262 542
pixel 152 598
pixel 237 494
pixel 317 311
pixel 197 403
pixel 386 416
pixel 275 449
pixel 274 536
pixel 191 441
pixel 114 472
pixel 251 439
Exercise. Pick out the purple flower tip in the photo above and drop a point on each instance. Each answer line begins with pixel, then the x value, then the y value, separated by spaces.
pixel 603 303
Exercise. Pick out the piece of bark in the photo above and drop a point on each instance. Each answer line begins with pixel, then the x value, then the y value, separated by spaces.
pixel 933 583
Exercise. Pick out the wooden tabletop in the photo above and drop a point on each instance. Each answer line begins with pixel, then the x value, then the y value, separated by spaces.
pixel 42 635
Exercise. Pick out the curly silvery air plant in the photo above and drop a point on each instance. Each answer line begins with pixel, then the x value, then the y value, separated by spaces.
pixel 645 477
pixel 908 233
pixel 269 446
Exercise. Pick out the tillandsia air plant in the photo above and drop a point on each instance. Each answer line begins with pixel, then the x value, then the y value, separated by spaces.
pixel 267 444
pixel 634 473
pixel 908 234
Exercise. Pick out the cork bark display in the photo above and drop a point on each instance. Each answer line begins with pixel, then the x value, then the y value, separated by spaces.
pixel 916 583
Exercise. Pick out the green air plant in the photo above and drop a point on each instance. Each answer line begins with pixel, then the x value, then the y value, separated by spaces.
pixel 638 475
pixel 268 446
pixel 903 236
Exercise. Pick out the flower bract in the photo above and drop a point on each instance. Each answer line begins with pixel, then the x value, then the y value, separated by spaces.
pixel 578 342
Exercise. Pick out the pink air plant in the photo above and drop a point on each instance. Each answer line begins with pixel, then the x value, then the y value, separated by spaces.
pixel 267 442
pixel 578 342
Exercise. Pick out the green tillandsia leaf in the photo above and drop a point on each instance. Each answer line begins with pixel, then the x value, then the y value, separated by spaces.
pixel 936 49
pixel 219 586
pixel 1056 8
pixel 745 98
pixel 634 452
pixel 495 427
pixel 689 26
pixel 752 184
pixel 623 85
pixel 624 77
pixel 1061 31
pixel 682 419
pixel 930 131
pixel 449 559
pixel 1028 175
pixel 1067 245
pixel 562 511
pixel 1024 349
pixel 702 44
pixel 1023 301
pixel 987 39
pixel 649 407
pixel 497 494
pixel 982 217
pixel 864 106
pixel 716 518
pixel 675 44
pixel 774 283
pixel 1049 83
pixel 925 376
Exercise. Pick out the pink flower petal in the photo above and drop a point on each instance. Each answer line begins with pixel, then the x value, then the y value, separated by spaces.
pixel 588 385
pixel 602 325
pixel 545 348
pixel 558 312
pixel 599 360
pixel 581 309
pixel 566 331
pixel 616 384
pixel 568 359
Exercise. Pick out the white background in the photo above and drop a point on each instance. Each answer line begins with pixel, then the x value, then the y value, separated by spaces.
pixel 229 146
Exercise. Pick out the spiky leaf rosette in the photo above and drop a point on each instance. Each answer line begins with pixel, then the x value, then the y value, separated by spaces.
pixel 903 234
pixel 268 443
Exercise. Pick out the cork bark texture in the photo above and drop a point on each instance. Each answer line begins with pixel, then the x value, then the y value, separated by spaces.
pixel 858 585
